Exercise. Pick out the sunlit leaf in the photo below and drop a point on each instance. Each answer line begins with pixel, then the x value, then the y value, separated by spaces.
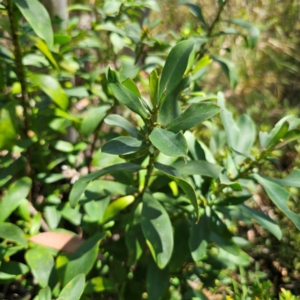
pixel 73 289
pixel 13 233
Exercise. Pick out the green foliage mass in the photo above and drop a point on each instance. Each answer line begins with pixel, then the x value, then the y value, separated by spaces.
pixel 121 178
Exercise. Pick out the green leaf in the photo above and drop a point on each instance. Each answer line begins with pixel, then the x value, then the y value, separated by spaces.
pixel 79 7
pixel 232 200
pixel 153 86
pixel 236 186
pixel 195 10
pixel 63 146
pixel 290 136
pixel 122 145
pixel 10 270
pixel 17 192
pixel 194 115
pixel 13 233
pixel 7 126
pixel 252 30
pixel 199 238
pixel 116 206
pixel 277 133
pixel 280 197
pixel 157 230
pixel 124 95
pixel 200 167
pixel 263 220
pixel 186 187
pixel 45 50
pixel 38 18
pixel 74 288
pixel 229 69
pixel 291 180
pixel 231 129
pixel 83 259
pixel 81 184
pixel 130 84
pixel 157 281
pixel 93 118
pixel 175 67
pixel 52 88
pixel 117 120
pixel 169 143
pixel 41 264
pixel 45 294
pixel 99 285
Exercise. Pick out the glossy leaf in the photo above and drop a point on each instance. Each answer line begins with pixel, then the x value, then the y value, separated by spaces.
pixel 117 120
pixel 74 288
pixel 41 264
pixel 17 192
pixel 229 69
pixel 7 127
pixel 157 281
pixel 276 134
pixel 83 259
pixel 293 179
pixel 280 197
pixel 38 18
pixel 93 118
pixel 232 200
pixel 185 186
pixel 174 67
pixel 194 115
pixel 157 230
pixel 13 233
pixel 169 143
pixel 200 167
pixel 263 220
pixel 235 185
pixel 81 184
pixel 130 84
pixel 52 88
pixel 252 30
pixel 122 145
pixel 45 294
pixel 153 85
pixel 116 206
pixel 10 270
pixel 199 239
pixel 124 95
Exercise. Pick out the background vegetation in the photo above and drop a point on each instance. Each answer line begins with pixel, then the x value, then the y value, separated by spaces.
pixel 125 174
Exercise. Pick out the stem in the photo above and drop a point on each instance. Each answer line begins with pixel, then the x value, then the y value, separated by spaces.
pixel 203 49
pixel 22 79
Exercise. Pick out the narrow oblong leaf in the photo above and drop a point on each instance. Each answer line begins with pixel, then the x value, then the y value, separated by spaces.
pixel 81 184
pixel 17 192
pixel 13 233
pixel 169 143
pixel 293 179
pixel 74 288
pixel 280 197
pixel 157 230
pixel 117 120
pixel 52 88
pixel 157 281
pixel 116 206
pixel 200 167
pixel 185 186
pixel 83 259
pixel 45 294
pixel 153 85
pixel 41 264
pixel 263 220
pixel 195 10
pixel 125 95
pixel 194 115
pixel 229 69
pixel 199 239
pixel 174 67
pixel 38 18
pixel 93 118
pixel 278 132
pixel 253 31
pixel 122 145
pixel 99 285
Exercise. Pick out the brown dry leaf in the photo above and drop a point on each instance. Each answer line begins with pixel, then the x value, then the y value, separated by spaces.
pixel 61 241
